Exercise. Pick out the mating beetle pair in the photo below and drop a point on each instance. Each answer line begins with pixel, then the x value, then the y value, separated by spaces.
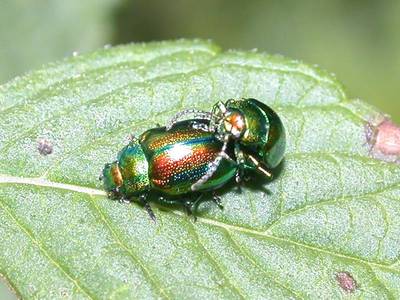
pixel 197 155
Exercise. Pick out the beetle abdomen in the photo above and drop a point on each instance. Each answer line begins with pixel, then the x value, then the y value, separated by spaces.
pixel 181 156
pixel 178 166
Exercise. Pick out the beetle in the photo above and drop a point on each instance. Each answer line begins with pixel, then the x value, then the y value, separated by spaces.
pixel 169 162
pixel 256 129
pixel 198 155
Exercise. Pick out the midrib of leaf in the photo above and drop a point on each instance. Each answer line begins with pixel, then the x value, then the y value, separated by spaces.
pixel 228 227
pixel 323 202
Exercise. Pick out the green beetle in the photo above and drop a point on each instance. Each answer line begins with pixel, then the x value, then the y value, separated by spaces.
pixel 198 155
pixel 256 129
pixel 170 162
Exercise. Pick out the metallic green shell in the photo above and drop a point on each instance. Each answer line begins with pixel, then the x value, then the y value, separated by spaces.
pixel 134 169
pixel 265 134
pixel 180 156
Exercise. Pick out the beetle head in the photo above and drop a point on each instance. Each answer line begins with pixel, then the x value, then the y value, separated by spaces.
pixel 229 121
pixel 112 179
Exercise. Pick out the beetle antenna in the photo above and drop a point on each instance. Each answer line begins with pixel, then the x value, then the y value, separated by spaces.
pixel 197 114
pixel 213 166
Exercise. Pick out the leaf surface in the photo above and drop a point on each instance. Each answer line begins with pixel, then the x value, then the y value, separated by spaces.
pixel 332 209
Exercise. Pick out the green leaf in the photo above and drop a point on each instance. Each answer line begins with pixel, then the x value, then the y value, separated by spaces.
pixel 333 211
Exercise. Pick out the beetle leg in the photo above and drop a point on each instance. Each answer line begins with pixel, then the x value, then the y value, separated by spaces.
pixel 241 158
pixel 188 206
pixel 241 161
pixel 192 206
pixel 152 216
pixel 217 200
pixel 147 207
pixel 197 114
pixel 114 194
pixel 201 126
pixel 124 200
pixel 161 199
pixel 213 166
pixel 260 166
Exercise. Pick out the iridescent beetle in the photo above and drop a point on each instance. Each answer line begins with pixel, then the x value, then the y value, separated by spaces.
pixel 257 131
pixel 197 155
pixel 169 162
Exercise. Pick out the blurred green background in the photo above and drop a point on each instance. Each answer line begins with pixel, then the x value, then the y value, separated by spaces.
pixel 358 40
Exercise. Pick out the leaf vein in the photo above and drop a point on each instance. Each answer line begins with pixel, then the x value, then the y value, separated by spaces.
pixel 42 249
pixel 247 255
pixel 241 229
pixel 335 200
pixel 133 256
pixel 215 263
